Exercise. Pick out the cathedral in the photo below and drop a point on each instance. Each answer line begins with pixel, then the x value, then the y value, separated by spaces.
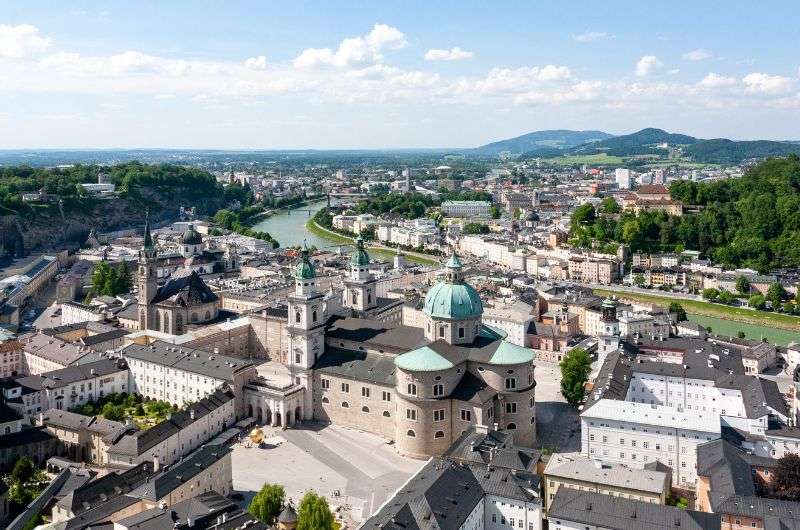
pixel 418 387
pixel 183 300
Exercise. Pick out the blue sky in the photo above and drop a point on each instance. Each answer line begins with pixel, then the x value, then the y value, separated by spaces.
pixel 266 75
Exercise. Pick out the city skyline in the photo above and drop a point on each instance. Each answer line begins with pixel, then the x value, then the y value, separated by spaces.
pixel 394 75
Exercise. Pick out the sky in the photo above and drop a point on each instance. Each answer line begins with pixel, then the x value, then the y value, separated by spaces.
pixel 390 73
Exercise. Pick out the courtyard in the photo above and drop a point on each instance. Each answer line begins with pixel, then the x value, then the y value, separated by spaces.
pixel 356 471
pixel 558 424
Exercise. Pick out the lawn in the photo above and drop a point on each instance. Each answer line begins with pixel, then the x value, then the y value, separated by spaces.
pixel 121 407
pixel 737 314
pixel 320 231
pixel 600 159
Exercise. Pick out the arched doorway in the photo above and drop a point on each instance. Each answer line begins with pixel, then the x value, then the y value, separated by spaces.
pixel 268 417
pixel 259 414
pixel 277 419
pixel 297 415
pixel 250 410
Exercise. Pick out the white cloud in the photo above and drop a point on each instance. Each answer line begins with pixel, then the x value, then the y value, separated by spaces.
pixel 126 63
pixel 354 51
pixel 697 55
pixel 591 36
pixel 19 42
pixel 647 65
pixel 767 84
pixel 453 54
pixel 256 63
pixel 713 80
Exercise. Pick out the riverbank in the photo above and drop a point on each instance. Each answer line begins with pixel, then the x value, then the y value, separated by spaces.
pixel 381 250
pixel 707 309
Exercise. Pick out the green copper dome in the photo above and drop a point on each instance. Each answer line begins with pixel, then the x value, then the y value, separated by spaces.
pixel 359 257
pixel 191 236
pixel 453 298
pixel 304 269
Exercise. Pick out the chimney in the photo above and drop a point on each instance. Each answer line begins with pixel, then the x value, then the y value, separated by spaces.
pixel 191 414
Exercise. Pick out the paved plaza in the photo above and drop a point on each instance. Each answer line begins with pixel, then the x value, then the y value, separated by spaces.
pixel 558 425
pixel 354 470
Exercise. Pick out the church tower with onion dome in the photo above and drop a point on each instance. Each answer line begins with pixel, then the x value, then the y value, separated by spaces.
pixel 360 293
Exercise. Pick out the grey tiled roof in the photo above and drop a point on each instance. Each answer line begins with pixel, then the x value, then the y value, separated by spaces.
pixel 220 367
pixel 616 513
pixel 160 485
pixel 362 366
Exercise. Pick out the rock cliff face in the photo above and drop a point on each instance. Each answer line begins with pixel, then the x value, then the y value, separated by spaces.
pixel 48 230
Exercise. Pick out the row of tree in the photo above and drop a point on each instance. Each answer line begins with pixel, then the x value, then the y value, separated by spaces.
pixel 313 511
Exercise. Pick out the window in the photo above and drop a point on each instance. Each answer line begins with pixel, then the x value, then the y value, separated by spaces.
pixel 411 414
pixel 410 434
pixel 386 414
pixel 460 332
pixel 314 316
pixel 364 391
pixel 466 415
pixel 298 358
pixel 439 434
pixel 326 384
pixel 387 396
pixel 511 408
pixel 412 389
pixel 438 415
pixel 511 426
pixel 346 387
pixel 345 405
pixel 365 409
pixel 441 332
pixel 325 400
pixel 511 382
pixel 438 390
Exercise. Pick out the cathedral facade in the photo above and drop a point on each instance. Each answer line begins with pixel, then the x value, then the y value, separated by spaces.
pixel 418 387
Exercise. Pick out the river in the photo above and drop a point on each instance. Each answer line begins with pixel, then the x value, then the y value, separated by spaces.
pixel 290 230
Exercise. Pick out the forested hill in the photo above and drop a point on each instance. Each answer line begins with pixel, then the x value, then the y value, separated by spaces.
pixel 751 221
pixel 649 142
pixel 545 142
pixel 162 188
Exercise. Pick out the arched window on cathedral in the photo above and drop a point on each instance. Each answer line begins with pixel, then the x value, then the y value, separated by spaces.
pixel 179 324
pixel 208 315
pixel 194 317
pixel 158 320
pixel 369 297
pixel 355 297
pixel 297 317
pixel 142 319
pixel 314 316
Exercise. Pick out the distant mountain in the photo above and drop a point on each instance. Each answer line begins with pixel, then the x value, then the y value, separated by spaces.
pixel 546 143
pixel 644 142
pixel 649 142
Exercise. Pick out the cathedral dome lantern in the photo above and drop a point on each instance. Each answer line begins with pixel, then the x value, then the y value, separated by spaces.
pixel 453 308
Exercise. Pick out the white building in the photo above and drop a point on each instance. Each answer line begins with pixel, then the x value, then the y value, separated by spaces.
pixel 466 209
pixel 623 178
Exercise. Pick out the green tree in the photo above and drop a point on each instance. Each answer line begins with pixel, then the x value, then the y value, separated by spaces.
pixel 756 301
pixel 495 212
pixel 743 285
pixel 583 215
pixel 267 503
pixel 725 297
pixel 741 334
pixel 680 312
pixel 575 369
pixel 23 471
pixel 476 228
pixel 610 206
pixel 313 513
pixel 710 294
pixel 775 294
pixel 786 478
pixel 638 280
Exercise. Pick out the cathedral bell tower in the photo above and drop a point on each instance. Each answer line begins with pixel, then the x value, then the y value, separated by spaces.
pixel 360 285
pixel 609 335
pixel 146 278
pixel 306 327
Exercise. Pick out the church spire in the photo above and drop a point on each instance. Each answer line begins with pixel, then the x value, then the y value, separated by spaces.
pixel 148 240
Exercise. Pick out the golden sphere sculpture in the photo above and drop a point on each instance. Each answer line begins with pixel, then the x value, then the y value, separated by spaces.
pixel 256 436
